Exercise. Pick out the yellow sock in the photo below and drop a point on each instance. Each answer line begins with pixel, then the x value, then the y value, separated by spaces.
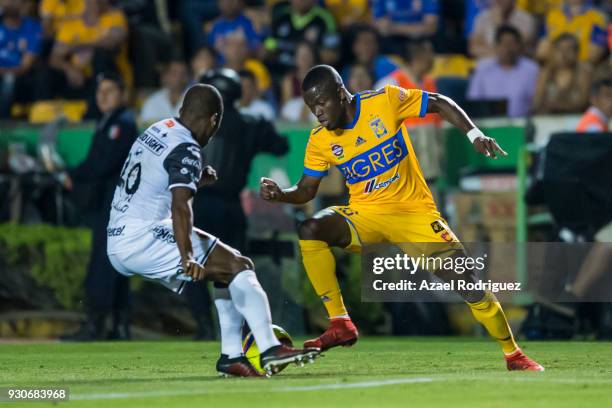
pixel 320 267
pixel 490 314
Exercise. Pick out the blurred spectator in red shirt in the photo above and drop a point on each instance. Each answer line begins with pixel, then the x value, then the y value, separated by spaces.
pixel 414 73
pixel 501 12
pixel 597 117
pixel 564 82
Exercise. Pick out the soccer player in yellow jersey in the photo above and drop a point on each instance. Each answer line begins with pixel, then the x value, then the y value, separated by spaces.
pixel 365 137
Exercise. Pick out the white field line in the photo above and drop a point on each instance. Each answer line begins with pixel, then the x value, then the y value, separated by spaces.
pixel 174 393
pixel 533 377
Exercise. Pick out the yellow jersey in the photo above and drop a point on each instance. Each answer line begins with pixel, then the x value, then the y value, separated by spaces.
pixel 589 27
pixel 374 153
pixel 76 32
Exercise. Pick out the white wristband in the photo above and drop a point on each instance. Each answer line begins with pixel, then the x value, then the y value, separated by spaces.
pixel 474 133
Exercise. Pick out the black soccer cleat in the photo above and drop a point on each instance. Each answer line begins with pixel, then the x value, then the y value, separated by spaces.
pixel 236 367
pixel 277 357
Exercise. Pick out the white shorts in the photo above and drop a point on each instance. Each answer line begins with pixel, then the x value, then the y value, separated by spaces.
pixel 153 254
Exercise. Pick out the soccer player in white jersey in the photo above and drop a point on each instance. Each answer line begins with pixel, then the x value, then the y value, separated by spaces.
pixel 151 233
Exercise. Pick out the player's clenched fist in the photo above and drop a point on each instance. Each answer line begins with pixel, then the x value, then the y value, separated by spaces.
pixel 209 176
pixel 269 190
pixel 193 269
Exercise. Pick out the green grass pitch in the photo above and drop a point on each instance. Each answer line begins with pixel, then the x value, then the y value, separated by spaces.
pixel 377 372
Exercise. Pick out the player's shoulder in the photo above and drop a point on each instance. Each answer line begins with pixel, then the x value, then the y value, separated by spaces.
pixel 164 136
pixel 319 130
pixel 172 131
pixel 364 95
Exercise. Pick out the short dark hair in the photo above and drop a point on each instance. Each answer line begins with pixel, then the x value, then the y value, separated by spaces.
pixel 208 48
pixel 202 99
pixel 110 76
pixel 312 47
pixel 600 84
pixel 415 46
pixel 567 37
pixel 321 75
pixel 364 28
pixel 507 29
pixel 166 65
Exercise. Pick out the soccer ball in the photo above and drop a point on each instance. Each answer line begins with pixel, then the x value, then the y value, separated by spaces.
pixel 250 350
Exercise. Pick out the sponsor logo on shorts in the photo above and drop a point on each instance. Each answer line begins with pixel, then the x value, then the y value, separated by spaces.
pixel 115 231
pixel 447 236
pixel 373 185
pixel 164 234
pixel 437 227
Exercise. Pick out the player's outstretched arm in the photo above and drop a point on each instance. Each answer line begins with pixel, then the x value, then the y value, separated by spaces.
pixel 182 224
pixel 301 193
pixel 452 113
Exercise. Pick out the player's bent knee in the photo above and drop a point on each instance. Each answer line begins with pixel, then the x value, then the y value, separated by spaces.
pixel 309 229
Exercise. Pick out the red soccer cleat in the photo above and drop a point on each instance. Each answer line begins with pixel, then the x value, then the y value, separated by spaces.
pixel 518 361
pixel 341 332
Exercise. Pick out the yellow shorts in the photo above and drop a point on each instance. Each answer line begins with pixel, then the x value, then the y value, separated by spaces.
pixel 414 233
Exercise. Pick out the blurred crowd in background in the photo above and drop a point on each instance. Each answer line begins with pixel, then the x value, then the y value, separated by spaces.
pixel 534 56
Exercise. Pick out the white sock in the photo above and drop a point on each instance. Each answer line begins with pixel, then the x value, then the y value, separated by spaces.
pixel 252 302
pixel 230 321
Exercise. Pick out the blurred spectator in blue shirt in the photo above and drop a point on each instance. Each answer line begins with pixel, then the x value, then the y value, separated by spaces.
pixel 20 39
pixel 406 18
pixel 232 22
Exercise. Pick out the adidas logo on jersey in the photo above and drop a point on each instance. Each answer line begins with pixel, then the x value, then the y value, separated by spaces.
pixel 360 140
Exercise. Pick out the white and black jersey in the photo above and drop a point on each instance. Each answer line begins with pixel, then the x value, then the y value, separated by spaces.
pixel 139 232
